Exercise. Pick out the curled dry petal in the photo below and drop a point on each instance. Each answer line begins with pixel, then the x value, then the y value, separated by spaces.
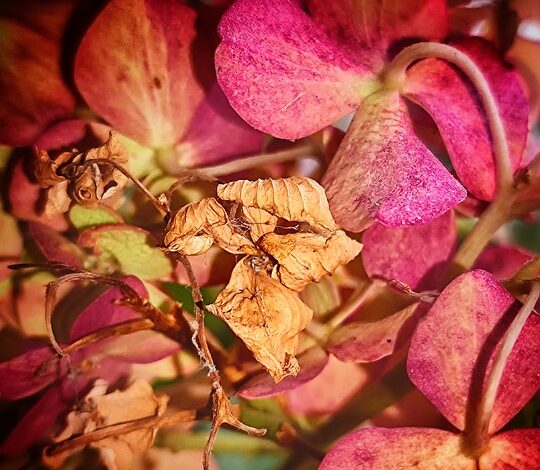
pixel 196 227
pixel 296 199
pixel 306 257
pixel 266 315
pixel 260 222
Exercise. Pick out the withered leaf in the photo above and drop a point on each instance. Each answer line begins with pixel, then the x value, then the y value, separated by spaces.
pixel 259 221
pixel 46 168
pixel 266 315
pixel 100 410
pixel 306 257
pixel 197 226
pixel 296 199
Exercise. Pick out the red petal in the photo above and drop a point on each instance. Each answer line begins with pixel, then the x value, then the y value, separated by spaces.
pixel 384 449
pixel 370 27
pixel 134 68
pixel 281 73
pixel 502 261
pixel 312 362
pixel 382 171
pixel 474 312
pixel 415 256
pixel 455 107
pixel 516 450
pixel 33 93
pixel 368 341
pixel 55 247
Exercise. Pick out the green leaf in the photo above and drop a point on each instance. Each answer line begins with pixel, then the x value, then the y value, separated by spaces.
pixel 83 217
pixel 130 249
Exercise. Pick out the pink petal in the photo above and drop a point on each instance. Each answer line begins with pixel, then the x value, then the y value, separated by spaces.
pixel 106 311
pixel 312 362
pixel 474 312
pixel 368 341
pixel 415 255
pixel 383 172
pixel 384 449
pixel 134 68
pixel 502 261
pixel 19 375
pixel 370 27
pixel 282 73
pixel 24 198
pixel 454 105
pixel 517 450
pixel 33 92
pixel 55 247
pixel 73 133
pixel 333 387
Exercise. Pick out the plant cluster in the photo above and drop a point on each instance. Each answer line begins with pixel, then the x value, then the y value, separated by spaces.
pixel 295 219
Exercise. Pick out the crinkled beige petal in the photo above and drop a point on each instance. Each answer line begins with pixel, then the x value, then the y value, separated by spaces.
pixel 196 226
pixel 295 199
pixel 306 257
pixel 57 200
pixel 266 315
pixel 259 221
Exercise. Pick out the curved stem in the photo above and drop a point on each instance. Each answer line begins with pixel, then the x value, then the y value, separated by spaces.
pixel 395 76
pixel 479 435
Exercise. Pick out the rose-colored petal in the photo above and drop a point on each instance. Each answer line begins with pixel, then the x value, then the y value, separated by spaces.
pixel 517 450
pixel 473 313
pixel 19 375
pixel 383 172
pixel 415 255
pixel 502 261
pixel 106 311
pixel 134 68
pixel 369 28
pixel 132 249
pixel 311 362
pixel 213 123
pixel 32 92
pixel 455 107
pixel 25 199
pixel 383 449
pixel 282 73
pixel 368 341
pixel 55 247
pixel 332 388
pixel 73 133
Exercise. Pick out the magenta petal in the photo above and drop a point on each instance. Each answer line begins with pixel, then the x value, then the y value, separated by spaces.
pixel 369 341
pixel 312 362
pixel 55 247
pixel 405 448
pixel 281 73
pixel 19 375
pixel 516 450
pixel 473 313
pixel 383 172
pixel 134 68
pixel 105 311
pixel 415 256
pixel 368 28
pixel 73 133
pixel 502 261
pixel 454 106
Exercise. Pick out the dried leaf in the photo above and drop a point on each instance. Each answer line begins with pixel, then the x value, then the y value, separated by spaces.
pixel 260 222
pixel 100 410
pixel 306 257
pixel 46 168
pixel 266 315
pixel 197 226
pixel 296 199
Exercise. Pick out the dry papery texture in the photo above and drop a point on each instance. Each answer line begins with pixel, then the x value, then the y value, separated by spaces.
pixel 260 303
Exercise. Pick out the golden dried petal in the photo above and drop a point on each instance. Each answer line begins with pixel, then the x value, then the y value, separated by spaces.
pixel 198 225
pixel 266 315
pixel 45 168
pixel 295 199
pixel 259 221
pixel 57 200
pixel 306 257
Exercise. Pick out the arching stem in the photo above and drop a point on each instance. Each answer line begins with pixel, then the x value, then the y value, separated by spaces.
pixel 478 436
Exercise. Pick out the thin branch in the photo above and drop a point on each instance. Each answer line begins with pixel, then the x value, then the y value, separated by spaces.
pixel 396 76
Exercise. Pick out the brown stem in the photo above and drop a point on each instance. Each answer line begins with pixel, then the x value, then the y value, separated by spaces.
pixel 120 429
pixel 478 436
pixel 396 75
